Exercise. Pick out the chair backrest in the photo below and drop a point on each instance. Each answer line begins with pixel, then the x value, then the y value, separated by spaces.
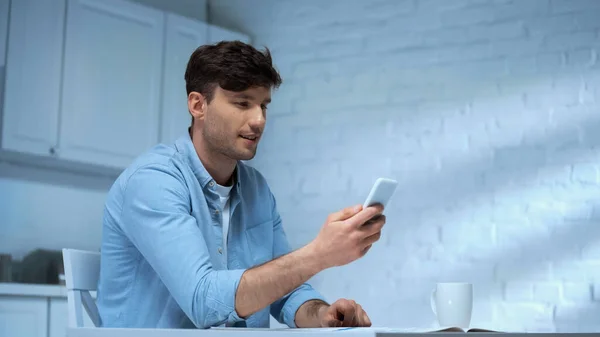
pixel 82 270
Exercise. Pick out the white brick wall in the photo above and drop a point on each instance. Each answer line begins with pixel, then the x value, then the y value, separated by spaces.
pixel 486 111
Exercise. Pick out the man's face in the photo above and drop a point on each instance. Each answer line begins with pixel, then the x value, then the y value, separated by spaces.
pixel 234 122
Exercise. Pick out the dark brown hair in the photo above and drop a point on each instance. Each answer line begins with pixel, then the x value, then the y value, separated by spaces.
pixel 232 65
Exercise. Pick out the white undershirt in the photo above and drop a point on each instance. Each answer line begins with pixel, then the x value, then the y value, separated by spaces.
pixel 224 192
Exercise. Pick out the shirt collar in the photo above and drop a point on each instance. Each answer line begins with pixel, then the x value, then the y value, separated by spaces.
pixel 185 146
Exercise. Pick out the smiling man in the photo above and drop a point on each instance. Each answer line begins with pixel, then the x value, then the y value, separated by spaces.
pixel 192 236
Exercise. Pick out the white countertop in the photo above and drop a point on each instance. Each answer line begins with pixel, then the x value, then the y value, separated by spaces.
pixel 26 289
pixel 246 332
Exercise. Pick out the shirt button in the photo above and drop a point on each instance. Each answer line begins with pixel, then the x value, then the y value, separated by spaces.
pixel 216 211
pixel 220 250
pixel 211 184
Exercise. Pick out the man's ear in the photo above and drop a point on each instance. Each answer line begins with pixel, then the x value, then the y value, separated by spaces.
pixel 197 105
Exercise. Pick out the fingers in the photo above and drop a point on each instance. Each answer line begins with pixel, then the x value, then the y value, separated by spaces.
pixel 374 226
pixel 372 233
pixel 360 317
pixel 345 213
pixel 370 230
pixel 348 310
pixel 370 240
pixel 366 249
pixel 333 322
pixel 336 318
pixel 349 318
pixel 351 314
pixel 363 318
pixel 366 214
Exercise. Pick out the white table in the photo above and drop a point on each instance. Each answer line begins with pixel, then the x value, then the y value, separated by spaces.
pixel 364 332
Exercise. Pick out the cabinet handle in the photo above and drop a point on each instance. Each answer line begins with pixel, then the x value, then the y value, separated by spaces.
pixel 52 151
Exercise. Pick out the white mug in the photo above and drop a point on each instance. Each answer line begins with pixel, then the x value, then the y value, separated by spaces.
pixel 452 303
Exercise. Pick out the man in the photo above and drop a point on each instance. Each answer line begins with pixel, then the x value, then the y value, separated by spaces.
pixel 192 236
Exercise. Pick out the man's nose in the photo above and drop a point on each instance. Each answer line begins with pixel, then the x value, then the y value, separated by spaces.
pixel 257 118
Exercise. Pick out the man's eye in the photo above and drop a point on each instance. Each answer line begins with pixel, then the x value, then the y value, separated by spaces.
pixel 243 104
pixel 264 107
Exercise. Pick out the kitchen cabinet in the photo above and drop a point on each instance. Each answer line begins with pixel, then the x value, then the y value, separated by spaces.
pixel 33 76
pixel 29 310
pixel 112 81
pixel 183 36
pixel 4 8
pixel 23 316
pixel 96 82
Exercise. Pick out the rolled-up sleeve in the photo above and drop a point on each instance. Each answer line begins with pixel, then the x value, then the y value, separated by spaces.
pixel 284 310
pixel 156 218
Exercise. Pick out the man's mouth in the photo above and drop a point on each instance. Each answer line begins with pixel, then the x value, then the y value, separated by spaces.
pixel 250 137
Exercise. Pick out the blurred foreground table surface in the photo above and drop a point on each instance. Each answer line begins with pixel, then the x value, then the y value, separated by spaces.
pixel 230 332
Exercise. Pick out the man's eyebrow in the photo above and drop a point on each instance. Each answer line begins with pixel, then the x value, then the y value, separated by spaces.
pixel 250 97
pixel 243 96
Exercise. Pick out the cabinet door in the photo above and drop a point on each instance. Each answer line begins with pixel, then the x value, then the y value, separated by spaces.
pixel 216 34
pixel 23 316
pixel 4 9
pixel 33 76
pixel 112 81
pixel 183 37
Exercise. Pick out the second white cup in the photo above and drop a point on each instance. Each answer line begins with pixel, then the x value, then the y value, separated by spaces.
pixel 452 303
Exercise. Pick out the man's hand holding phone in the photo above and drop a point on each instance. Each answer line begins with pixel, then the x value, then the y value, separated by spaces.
pixel 348 234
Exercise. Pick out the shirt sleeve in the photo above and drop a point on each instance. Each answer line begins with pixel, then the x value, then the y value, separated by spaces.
pixel 284 310
pixel 156 218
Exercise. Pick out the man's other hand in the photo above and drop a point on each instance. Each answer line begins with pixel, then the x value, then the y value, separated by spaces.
pixel 344 313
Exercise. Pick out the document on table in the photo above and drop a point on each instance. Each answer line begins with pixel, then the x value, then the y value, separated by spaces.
pixel 339 330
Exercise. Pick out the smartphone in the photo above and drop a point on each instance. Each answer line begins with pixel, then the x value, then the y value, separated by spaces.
pixel 381 192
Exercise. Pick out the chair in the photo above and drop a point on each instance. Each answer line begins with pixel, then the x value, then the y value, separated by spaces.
pixel 82 270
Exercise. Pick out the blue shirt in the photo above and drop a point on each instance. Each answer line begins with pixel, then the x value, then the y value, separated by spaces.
pixel 162 264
